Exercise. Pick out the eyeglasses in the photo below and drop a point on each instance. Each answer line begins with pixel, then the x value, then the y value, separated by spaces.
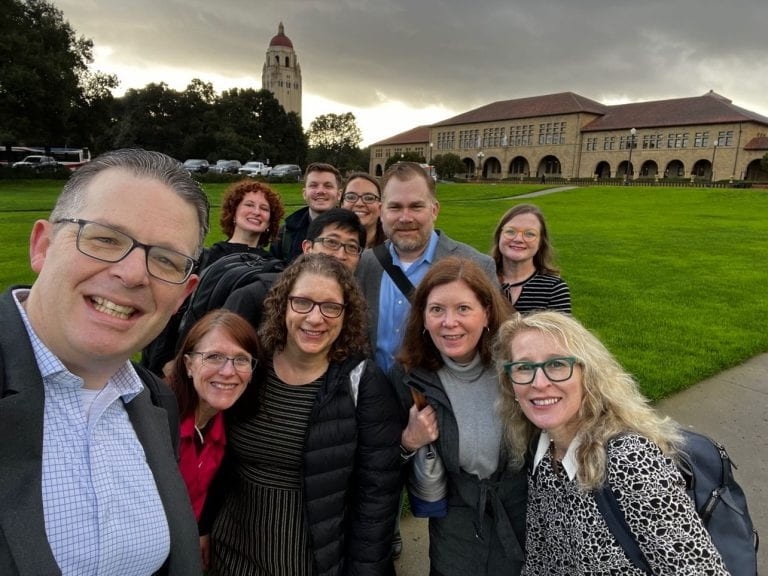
pixel 556 369
pixel 241 363
pixel 104 243
pixel 527 233
pixel 367 198
pixel 305 306
pixel 333 244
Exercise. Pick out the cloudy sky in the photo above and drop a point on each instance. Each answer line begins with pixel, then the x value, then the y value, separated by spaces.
pixel 397 64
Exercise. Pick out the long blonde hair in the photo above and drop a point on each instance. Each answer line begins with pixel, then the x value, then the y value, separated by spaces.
pixel 612 403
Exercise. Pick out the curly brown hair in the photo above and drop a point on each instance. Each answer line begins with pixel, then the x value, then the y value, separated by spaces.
pixel 234 325
pixel 353 338
pixel 417 348
pixel 235 193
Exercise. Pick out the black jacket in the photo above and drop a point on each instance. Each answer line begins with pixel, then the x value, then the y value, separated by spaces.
pixel 484 530
pixel 351 473
pixel 287 245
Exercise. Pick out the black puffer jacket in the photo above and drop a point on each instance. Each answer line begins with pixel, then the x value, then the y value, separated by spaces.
pixel 352 472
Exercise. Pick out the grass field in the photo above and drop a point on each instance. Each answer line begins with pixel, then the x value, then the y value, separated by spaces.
pixel 672 280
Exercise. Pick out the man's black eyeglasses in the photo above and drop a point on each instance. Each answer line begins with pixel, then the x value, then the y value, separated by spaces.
pixel 107 244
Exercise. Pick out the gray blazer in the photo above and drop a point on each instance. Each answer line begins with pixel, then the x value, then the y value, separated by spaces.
pixel 369 272
pixel 24 549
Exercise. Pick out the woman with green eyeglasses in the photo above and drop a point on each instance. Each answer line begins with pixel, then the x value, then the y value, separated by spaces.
pixel 575 418
pixel 210 373
pixel 316 461
pixel 524 262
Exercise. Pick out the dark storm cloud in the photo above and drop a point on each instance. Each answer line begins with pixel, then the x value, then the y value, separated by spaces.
pixel 454 53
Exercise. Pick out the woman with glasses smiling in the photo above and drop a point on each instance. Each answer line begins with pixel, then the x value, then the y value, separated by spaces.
pixel 524 262
pixel 362 195
pixel 577 419
pixel 210 373
pixel 316 461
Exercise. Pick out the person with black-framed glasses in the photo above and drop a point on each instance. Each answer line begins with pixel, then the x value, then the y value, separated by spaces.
pixel 315 467
pixel 91 436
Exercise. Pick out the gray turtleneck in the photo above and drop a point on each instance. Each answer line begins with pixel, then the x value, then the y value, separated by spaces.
pixel 473 390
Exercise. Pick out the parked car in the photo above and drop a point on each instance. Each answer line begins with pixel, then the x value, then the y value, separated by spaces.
pixel 226 167
pixel 286 172
pixel 37 163
pixel 197 165
pixel 255 168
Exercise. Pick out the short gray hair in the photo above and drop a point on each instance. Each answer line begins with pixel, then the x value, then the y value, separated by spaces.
pixel 156 165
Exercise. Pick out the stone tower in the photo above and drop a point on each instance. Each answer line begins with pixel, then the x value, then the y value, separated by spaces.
pixel 282 74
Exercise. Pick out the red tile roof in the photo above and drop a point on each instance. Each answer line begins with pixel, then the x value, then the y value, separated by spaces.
pixel 758 143
pixel 417 135
pixel 711 108
pixel 535 106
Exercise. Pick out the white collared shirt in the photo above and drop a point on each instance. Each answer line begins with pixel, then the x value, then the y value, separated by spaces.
pixel 569 462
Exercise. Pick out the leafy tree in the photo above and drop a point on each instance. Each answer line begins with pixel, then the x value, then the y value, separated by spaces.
pixel 47 93
pixel 252 125
pixel 409 156
pixel 335 138
pixel 448 165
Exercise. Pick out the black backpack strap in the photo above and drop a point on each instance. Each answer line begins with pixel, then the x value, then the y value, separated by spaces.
pixel 395 272
pixel 162 397
pixel 617 524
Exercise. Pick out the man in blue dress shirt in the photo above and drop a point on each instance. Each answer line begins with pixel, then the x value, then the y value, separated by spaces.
pixel 88 480
pixel 409 209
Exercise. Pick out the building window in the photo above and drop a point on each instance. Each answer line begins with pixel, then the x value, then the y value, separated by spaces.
pixel 725 138
pixel 590 144
pixel 651 141
pixel 521 135
pixel 701 140
pixel 609 143
pixel 469 139
pixel 677 140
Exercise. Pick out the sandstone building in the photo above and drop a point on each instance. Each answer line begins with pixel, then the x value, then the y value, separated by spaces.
pixel 569 136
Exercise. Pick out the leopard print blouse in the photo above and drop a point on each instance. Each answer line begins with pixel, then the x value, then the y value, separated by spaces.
pixel 566 534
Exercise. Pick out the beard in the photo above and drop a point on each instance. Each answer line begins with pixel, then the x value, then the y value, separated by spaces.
pixel 408 244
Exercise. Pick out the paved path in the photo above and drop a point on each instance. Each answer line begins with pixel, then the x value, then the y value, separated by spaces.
pixel 547 191
pixel 731 407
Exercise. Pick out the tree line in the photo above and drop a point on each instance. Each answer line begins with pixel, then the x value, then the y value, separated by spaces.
pixel 49 96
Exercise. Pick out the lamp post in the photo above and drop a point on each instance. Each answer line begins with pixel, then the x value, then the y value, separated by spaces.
pixel 714 151
pixel 430 154
pixel 480 156
pixel 632 133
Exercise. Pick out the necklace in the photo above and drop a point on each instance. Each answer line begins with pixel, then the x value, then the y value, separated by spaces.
pixel 200 434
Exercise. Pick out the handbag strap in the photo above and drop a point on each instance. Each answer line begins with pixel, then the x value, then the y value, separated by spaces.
pixel 395 272
pixel 617 524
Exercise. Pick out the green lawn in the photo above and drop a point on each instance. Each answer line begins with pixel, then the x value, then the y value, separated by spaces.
pixel 672 280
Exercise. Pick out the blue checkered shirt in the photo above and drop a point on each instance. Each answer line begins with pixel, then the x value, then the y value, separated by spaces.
pixel 103 514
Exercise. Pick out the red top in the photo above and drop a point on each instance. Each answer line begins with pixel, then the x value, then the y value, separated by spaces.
pixel 199 468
